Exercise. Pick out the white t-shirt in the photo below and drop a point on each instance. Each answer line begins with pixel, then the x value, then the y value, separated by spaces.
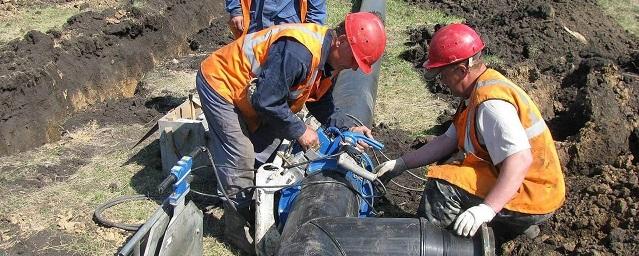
pixel 499 130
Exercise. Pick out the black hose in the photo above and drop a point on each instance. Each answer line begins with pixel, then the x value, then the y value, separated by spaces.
pixel 97 214
pixel 217 178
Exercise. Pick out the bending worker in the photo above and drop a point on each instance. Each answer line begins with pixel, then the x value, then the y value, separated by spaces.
pixel 510 173
pixel 251 89
pixel 248 16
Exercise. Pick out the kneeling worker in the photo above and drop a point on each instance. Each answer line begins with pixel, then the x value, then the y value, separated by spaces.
pixel 510 175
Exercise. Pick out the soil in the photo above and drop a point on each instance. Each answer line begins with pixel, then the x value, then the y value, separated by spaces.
pixel 588 93
pixel 44 243
pixel 89 71
pixel 96 57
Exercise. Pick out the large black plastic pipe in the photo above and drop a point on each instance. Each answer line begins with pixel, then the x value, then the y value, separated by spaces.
pixel 355 92
pixel 333 198
pixel 382 236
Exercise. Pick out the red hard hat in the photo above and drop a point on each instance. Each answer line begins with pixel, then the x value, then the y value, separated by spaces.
pixel 451 44
pixel 367 38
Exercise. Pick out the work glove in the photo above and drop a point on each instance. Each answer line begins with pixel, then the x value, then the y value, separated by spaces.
pixel 392 168
pixel 469 221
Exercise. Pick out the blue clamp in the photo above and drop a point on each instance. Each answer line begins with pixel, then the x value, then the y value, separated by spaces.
pixel 353 137
pixel 182 186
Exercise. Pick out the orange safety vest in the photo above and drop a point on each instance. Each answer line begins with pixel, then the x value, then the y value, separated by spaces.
pixel 230 69
pixel 543 189
pixel 246 13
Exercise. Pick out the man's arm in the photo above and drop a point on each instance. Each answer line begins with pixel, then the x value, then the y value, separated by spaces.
pixel 504 137
pixel 512 172
pixel 435 150
pixel 507 143
pixel 287 64
pixel 233 7
pixel 442 146
pixel 236 20
pixel 316 12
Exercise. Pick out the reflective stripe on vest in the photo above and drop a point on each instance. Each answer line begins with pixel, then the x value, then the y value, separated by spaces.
pixel 538 125
pixel 251 40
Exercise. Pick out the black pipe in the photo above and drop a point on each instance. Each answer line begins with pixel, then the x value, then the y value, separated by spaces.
pixel 382 236
pixel 335 198
pixel 355 92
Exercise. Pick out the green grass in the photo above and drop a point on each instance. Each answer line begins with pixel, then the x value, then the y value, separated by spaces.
pixel 626 12
pixel 402 100
pixel 37 18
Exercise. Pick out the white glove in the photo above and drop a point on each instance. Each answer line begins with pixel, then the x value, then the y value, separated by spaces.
pixel 396 166
pixel 469 221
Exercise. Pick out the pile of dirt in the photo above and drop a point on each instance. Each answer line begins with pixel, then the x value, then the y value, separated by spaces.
pixel 581 68
pixel 94 58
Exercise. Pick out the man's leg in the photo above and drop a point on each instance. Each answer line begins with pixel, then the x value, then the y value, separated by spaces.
pixel 234 158
pixel 442 202
pixel 508 224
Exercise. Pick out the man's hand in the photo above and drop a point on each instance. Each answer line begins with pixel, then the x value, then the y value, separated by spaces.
pixel 236 24
pixel 392 168
pixel 469 221
pixel 363 130
pixel 308 139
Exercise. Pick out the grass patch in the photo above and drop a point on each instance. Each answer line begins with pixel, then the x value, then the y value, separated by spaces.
pixel 37 18
pixel 161 82
pixel 493 60
pixel 402 100
pixel 625 12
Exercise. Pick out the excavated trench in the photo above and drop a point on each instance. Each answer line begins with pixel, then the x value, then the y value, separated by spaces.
pixel 588 92
pixel 96 58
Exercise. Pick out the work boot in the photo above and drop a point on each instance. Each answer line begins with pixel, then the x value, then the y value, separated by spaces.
pixel 237 230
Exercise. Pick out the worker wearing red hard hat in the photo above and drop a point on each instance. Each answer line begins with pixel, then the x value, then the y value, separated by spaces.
pixel 510 175
pixel 251 89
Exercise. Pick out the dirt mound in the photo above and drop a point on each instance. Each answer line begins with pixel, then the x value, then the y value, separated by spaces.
pixel 586 91
pixel 96 57
pixel 599 217
pixel 550 35
pixel 581 69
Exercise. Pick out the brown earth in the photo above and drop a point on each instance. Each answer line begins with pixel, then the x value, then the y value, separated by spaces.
pixel 94 58
pixel 588 91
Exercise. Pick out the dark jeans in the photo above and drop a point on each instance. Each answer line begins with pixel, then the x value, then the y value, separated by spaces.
pixel 442 202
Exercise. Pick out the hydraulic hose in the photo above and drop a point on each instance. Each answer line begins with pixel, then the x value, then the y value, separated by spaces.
pixel 97 214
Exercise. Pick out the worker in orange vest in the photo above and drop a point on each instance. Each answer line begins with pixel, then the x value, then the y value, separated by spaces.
pixel 248 16
pixel 510 173
pixel 251 89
